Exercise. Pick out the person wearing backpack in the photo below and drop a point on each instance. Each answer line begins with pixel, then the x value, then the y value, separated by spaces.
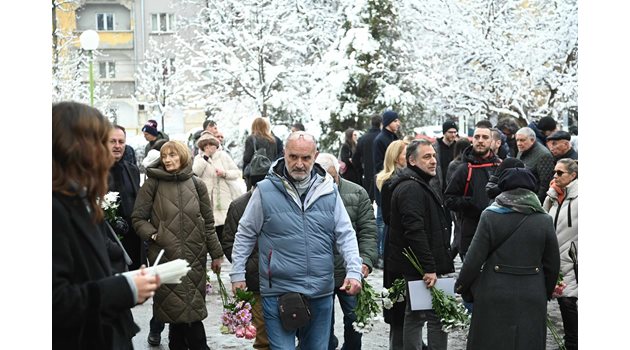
pixel 262 142
pixel 173 212
pixel 466 191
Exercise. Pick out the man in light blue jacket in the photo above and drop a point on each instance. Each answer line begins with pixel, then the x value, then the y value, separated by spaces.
pixel 297 216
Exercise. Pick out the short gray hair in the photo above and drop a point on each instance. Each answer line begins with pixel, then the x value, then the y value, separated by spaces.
pixel 327 160
pixel 527 131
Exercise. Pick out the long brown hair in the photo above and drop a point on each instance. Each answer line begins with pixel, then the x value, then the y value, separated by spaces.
pixel 262 128
pixel 81 155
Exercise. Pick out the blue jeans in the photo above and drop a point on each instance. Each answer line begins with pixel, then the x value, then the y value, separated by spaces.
pixel 310 336
pixel 380 225
pixel 351 338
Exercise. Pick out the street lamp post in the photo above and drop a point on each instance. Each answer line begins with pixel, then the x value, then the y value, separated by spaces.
pixel 89 41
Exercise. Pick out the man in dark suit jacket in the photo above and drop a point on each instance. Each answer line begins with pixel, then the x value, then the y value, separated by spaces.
pixel 124 178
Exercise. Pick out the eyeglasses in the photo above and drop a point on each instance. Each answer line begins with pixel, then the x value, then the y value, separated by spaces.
pixel 560 172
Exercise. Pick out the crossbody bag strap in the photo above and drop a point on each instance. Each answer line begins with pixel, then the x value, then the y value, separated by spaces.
pixel 508 235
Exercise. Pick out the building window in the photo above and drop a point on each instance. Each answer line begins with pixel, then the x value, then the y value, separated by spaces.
pixel 162 22
pixel 168 67
pixel 104 21
pixel 107 70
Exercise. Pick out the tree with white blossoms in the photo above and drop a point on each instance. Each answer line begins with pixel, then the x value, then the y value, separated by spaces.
pixel 486 57
pixel 363 72
pixel 256 53
pixel 159 81
pixel 69 62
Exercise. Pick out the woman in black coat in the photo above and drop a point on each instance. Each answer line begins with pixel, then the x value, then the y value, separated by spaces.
pixel 351 173
pixel 516 246
pixel 90 306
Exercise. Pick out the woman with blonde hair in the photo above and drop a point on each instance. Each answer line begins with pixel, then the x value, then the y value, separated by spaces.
pixel 220 174
pixel 261 140
pixel 173 212
pixel 90 305
pixel 394 161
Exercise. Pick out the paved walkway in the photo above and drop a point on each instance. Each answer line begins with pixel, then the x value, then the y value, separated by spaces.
pixel 377 339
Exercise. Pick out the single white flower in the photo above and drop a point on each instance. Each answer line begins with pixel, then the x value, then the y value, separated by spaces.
pixel 387 303
pixel 385 293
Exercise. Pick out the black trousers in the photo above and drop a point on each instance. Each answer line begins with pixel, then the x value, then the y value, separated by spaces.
pixel 569 312
pixel 184 336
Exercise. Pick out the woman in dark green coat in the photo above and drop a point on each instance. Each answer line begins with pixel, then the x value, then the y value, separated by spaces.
pixel 173 212
pixel 516 249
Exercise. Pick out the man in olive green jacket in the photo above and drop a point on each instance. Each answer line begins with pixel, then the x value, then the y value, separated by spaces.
pixel 361 213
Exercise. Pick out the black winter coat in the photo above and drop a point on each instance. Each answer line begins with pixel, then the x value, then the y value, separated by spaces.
pixel 363 160
pixel 351 173
pixel 234 214
pixel 90 306
pixel 396 314
pixel 515 281
pixel 476 200
pixel 381 142
pixel 418 220
pixel 124 178
pixel 540 161
pixel 444 156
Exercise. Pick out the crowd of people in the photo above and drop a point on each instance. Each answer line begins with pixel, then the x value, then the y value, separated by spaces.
pixel 300 229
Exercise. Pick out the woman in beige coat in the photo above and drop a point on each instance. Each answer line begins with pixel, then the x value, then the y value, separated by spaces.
pixel 173 212
pixel 221 176
pixel 562 204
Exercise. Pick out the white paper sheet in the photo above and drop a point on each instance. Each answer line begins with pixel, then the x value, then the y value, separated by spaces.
pixel 170 272
pixel 420 296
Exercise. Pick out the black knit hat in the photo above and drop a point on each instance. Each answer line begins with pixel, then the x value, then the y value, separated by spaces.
pixel 517 178
pixel 388 117
pixel 449 124
pixel 150 127
pixel 546 124
pixel 509 163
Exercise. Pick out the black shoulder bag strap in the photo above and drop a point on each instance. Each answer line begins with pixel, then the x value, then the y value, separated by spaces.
pixel 507 236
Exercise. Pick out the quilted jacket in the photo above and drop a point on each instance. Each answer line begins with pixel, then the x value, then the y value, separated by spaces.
pixel 540 161
pixel 177 209
pixel 359 207
pixel 565 220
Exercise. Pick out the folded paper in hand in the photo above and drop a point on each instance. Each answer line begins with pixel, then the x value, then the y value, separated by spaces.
pixel 420 295
pixel 170 272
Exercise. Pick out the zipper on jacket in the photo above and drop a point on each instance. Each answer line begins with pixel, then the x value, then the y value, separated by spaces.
pixel 269 268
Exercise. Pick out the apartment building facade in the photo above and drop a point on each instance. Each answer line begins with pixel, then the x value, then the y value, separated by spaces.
pixel 125 29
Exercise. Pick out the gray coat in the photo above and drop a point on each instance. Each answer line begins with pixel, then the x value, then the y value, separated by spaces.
pixel 515 281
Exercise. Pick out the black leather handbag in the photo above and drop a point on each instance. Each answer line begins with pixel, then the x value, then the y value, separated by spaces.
pixel 294 311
